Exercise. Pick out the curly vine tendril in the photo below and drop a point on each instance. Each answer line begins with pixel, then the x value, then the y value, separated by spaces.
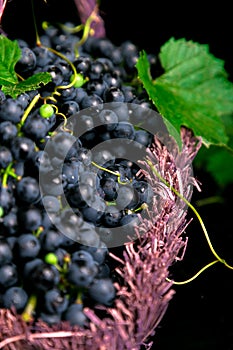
pixel 218 258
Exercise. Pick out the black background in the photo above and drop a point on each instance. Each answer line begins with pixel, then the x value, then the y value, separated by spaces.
pixel 199 316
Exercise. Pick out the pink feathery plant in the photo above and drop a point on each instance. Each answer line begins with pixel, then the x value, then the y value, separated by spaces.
pixel 2 7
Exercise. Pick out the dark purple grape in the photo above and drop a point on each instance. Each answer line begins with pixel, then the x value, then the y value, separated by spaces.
pixel 27 62
pixel 22 148
pixel 9 226
pixel 30 266
pixel 89 237
pixel 97 87
pixel 82 275
pixel 5 252
pixel 144 190
pixel 44 277
pixel 50 319
pixel 70 172
pixel 95 70
pixel 7 199
pixel 69 108
pixel 102 291
pixel 143 137
pixel 15 297
pixel 55 72
pixel 50 240
pixel 129 93
pixel 127 198
pixel 111 79
pixel 112 216
pixel 5 157
pixel 11 110
pixel 65 68
pixel 67 94
pixel 99 253
pixel 95 210
pixel 79 195
pixel 8 132
pixel 51 204
pixel 75 315
pixel 8 276
pixel 80 94
pixel 30 219
pixel 27 246
pixel 94 102
pixel 103 271
pixel 28 190
pixel 35 127
pixel 61 143
pixel 124 130
pixel 82 64
pixel 24 99
pixel 108 119
pixel 43 56
pixel 52 182
pixel 55 302
pixel 113 94
pixel 129 222
pixel 110 187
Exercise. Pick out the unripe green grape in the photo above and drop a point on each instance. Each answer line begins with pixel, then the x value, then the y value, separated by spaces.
pixel 79 80
pixel 51 258
pixel 46 111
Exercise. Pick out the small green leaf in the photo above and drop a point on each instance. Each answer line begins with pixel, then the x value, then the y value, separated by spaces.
pixel 32 83
pixel 10 53
pixel 193 92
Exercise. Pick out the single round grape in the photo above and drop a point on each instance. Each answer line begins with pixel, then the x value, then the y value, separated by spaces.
pixel 27 246
pixel 75 315
pixel 5 252
pixel 8 275
pixel 28 190
pixel 79 80
pixel 15 297
pixel 46 110
pixel 5 157
pixel 102 291
pixel 55 302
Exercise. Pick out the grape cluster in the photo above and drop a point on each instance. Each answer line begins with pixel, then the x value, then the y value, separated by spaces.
pixel 60 201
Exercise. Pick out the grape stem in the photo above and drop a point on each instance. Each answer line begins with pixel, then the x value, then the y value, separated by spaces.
pixel 28 109
pixel 9 171
pixel 111 172
pixel 30 307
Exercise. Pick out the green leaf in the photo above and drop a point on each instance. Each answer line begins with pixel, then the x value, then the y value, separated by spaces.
pixel 193 92
pixel 218 161
pixel 32 83
pixel 10 53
